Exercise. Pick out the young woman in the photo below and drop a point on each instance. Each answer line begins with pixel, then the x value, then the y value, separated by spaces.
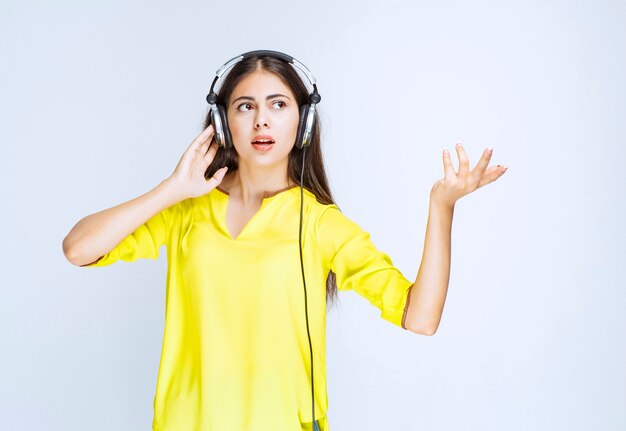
pixel 257 249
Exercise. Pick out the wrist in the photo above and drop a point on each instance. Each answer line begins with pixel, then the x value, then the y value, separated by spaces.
pixel 171 190
pixel 440 203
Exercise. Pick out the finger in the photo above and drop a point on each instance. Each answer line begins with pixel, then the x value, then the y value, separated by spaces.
pixel 202 137
pixel 205 147
pixel 491 174
pixel 482 164
pixel 217 177
pixel 463 161
pixel 209 145
pixel 447 165
pixel 210 154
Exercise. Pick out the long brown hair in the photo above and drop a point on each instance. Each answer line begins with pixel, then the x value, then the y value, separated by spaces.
pixel 315 179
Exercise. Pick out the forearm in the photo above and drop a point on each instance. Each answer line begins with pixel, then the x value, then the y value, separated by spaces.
pixel 429 292
pixel 98 233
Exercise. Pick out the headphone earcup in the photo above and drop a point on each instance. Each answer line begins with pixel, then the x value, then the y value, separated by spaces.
pixel 228 140
pixel 218 126
pixel 305 111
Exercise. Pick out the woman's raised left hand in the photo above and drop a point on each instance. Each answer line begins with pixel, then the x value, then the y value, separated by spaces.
pixel 455 185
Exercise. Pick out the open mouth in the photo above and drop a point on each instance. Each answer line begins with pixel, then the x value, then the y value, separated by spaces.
pixel 262 142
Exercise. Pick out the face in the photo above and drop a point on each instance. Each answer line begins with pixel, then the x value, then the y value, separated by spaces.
pixel 262 105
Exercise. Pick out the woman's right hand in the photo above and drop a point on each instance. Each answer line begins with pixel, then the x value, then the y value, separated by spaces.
pixel 188 176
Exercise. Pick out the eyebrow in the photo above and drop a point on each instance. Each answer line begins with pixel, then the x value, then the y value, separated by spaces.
pixel 271 96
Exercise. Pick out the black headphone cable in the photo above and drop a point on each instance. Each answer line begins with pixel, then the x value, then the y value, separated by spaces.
pixel 306 312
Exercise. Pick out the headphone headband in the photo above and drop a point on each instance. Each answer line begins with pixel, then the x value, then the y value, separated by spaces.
pixel 314 97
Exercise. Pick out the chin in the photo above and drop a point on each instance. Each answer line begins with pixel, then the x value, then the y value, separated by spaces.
pixel 269 161
pixel 274 154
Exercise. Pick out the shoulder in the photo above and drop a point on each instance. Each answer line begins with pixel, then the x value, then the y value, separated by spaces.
pixel 318 213
pixel 181 206
pixel 330 222
pixel 316 209
pixel 177 211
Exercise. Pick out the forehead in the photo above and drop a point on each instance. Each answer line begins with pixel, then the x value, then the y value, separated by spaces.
pixel 259 84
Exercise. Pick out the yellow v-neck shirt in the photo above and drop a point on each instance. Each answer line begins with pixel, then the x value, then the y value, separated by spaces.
pixel 235 354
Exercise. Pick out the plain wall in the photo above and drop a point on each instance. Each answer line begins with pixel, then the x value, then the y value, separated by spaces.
pixel 100 99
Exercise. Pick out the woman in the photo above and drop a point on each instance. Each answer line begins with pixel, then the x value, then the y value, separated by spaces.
pixel 236 343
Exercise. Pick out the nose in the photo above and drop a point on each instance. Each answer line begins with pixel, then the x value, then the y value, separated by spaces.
pixel 261 119
pixel 263 122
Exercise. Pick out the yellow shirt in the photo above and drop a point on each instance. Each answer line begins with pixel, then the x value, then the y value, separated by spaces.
pixel 235 353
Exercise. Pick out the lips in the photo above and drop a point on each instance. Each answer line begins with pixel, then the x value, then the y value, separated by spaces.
pixel 263 139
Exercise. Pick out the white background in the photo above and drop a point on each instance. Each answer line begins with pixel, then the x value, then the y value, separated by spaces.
pixel 98 101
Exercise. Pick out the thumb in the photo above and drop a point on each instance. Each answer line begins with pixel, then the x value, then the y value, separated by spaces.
pixel 217 177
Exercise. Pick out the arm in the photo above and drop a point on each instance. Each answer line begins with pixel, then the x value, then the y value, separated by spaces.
pixel 97 234
pixel 428 294
pixel 100 233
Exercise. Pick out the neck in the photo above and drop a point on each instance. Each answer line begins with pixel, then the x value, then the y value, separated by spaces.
pixel 251 185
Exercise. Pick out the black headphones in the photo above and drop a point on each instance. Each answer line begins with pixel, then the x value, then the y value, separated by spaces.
pixel 303 139
pixel 307 111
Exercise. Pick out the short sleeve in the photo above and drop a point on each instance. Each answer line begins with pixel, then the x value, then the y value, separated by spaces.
pixel 144 242
pixel 349 252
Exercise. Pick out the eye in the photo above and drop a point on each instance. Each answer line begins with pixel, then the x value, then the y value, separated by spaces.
pixel 243 104
pixel 280 101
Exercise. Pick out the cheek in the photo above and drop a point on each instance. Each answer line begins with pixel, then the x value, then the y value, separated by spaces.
pixel 239 128
pixel 290 123
pixel 234 123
